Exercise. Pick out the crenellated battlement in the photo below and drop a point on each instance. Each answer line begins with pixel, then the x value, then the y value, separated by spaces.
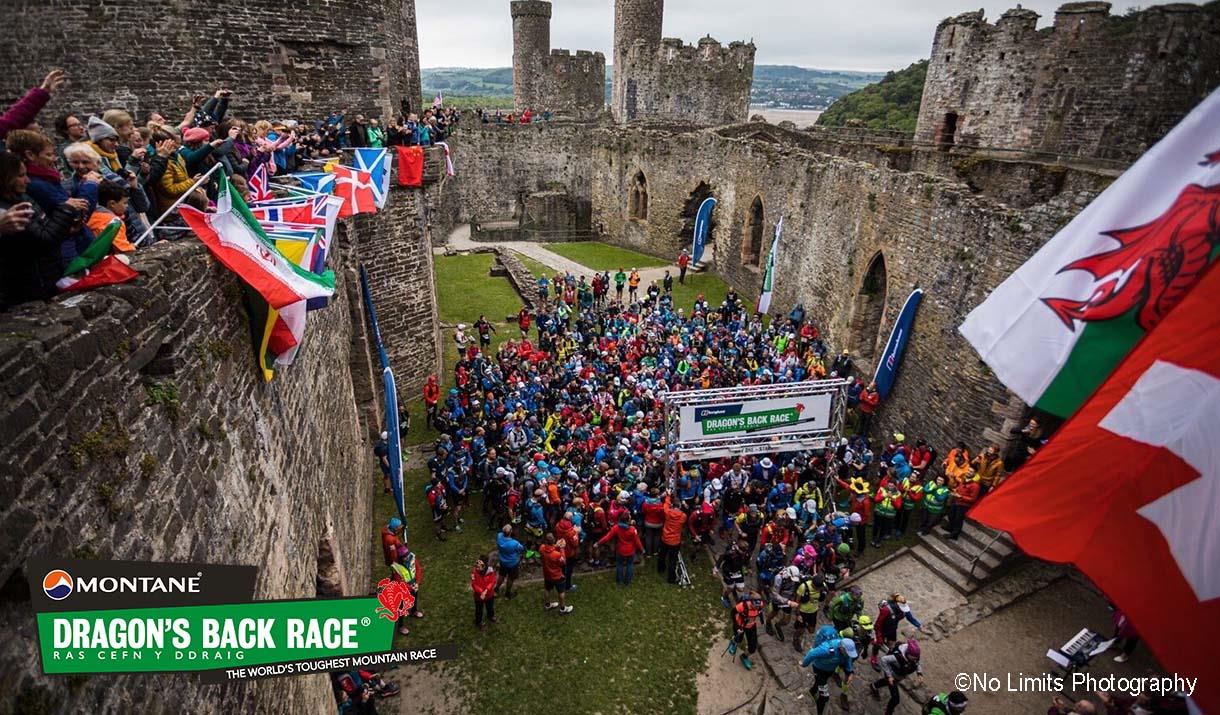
pixel 1092 84
pixel 555 80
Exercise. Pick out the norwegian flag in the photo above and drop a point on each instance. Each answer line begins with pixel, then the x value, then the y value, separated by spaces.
pixel 260 183
pixel 355 188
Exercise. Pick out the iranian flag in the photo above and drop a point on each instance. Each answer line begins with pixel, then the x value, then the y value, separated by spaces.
pixel 96 266
pixel 1128 490
pixel 1060 324
pixel 764 297
pixel 238 241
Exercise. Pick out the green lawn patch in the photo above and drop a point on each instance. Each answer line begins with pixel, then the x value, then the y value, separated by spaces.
pixel 604 257
pixel 535 267
pixel 634 649
pixel 464 290
pixel 709 284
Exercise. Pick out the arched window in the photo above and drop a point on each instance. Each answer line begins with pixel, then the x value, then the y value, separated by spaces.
pixel 752 236
pixel 701 193
pixel 637 201
pixel 868 309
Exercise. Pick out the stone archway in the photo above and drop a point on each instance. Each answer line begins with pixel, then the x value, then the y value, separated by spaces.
pixel 637 198
pixel 868 310
pixel 701 193
pixel 752 235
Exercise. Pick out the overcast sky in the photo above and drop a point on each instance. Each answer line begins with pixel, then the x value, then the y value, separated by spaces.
pixel 858 34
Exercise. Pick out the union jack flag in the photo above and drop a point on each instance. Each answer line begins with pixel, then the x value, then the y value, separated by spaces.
pixel 260 184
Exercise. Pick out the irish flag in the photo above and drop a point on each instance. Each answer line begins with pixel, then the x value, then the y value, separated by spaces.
pixel 1058 326
pixel 238 241
pixel 764 297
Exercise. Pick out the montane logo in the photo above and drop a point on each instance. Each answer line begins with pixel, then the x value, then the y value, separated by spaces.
pixel 133 584
pixel 57 585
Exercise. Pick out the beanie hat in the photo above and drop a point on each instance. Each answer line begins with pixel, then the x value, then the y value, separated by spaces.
pixel 99 130
pixel 195 134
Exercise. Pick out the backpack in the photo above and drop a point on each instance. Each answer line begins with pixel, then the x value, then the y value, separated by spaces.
pixel 905 666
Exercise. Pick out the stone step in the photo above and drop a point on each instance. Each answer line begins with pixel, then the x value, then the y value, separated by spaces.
pixel 983 537
pixel 959 554
pixel 959 581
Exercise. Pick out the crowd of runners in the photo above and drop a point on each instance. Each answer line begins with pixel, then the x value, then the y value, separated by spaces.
pixel 560 431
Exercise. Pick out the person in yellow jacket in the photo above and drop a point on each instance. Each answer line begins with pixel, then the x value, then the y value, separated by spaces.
pixel 990 468
pixel 175 181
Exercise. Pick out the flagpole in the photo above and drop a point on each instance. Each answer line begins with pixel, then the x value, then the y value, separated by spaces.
pixel 177 203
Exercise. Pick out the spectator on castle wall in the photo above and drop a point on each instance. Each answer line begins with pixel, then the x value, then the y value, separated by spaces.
pixel 174 180
pixel 24 110
pixel 46 187
pixel 32 238
pixel 112 204
pixel 85 164
pixel 70 129
pixel 357 133
pixel 375 134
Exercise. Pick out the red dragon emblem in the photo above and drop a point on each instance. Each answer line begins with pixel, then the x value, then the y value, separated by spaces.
pixel 1153 266
pixel 395 597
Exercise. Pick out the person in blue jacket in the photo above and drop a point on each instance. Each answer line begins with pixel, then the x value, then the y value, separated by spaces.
pixel 458 484
pixel 826 657
pixel 510 551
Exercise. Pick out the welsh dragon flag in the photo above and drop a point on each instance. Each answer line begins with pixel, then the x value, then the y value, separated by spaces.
pixel 764 297
pixel 238 241
pixel 1060 324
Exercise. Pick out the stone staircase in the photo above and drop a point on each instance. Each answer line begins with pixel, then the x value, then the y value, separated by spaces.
pixel 955 560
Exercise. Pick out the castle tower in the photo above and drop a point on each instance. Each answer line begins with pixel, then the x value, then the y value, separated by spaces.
pixel 635 21
pixel 531 48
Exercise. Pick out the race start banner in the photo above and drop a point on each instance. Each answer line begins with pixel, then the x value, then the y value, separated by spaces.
pixel 97 617
pixel 755 417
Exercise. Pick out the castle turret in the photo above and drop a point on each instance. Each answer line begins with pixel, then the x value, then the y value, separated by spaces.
pixel 637 24
pixel 531 48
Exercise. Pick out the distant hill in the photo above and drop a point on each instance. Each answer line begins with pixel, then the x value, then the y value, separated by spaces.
pixel 892 103
pixel 774 85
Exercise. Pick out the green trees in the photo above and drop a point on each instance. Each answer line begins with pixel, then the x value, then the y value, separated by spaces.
pixel 892 103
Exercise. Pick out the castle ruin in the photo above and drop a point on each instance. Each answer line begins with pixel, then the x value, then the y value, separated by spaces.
pixel 135 427
pixel 665 80
pixel 553 80
pixel 1091 86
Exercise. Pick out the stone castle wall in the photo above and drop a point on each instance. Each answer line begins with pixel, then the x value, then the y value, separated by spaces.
pixel 499 166
pixel 665 80
pixel 300 61
pixel 1092 85
pixel 567 85
pixel 701 85
pixel 137 427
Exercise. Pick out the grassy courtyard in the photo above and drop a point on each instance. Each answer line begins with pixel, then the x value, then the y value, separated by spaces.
pixel 604 257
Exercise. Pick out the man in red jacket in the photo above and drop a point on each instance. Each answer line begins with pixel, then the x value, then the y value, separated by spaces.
pixel 568 535
pixel 683 262
pixel 483 585
pixel 964 497
pixel 432 395
pixel 552 574
pixel 627 545
pixel 869 399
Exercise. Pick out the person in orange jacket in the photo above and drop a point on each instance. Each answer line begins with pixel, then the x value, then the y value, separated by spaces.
pixel 671 539
pixel 432 395
pixel 964 497
pixel 553 561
